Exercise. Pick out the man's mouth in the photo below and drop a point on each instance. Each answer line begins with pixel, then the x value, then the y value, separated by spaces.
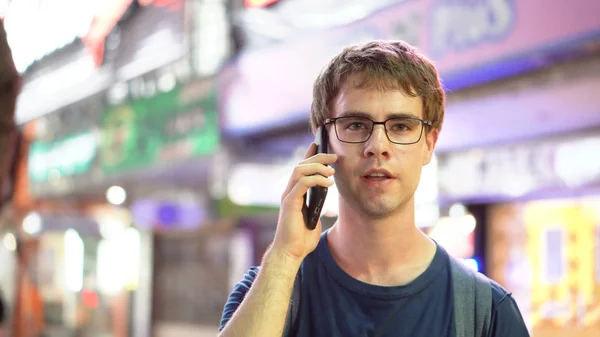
pixel 377 176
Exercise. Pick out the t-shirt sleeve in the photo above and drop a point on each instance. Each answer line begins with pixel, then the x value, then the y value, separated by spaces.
pixel 507 320
pixel 237 296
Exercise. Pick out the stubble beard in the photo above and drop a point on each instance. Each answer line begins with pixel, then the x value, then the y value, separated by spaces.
pixel 374 204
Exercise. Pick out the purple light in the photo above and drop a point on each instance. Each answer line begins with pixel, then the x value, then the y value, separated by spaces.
pixel 150 213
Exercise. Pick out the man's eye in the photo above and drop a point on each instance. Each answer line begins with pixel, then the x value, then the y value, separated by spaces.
pixel 400 127
pixel 356 126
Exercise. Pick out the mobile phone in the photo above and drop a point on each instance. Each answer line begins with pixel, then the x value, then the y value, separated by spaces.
pixel 316 195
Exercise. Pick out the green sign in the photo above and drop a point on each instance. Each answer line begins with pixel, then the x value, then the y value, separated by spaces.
pixel 226 209
pixel 165 128
pixel 69 156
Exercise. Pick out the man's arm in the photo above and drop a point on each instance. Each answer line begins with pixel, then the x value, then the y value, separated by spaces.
pixel 263 309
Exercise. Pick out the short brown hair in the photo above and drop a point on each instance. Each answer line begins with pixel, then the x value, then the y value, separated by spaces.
pixel 386 65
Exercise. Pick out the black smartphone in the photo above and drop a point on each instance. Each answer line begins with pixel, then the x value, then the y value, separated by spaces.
pixel 316 195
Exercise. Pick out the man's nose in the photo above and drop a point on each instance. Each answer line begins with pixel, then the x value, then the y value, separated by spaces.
pixel 378 144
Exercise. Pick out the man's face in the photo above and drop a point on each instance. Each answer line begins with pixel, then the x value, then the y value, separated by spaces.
pixel 378 197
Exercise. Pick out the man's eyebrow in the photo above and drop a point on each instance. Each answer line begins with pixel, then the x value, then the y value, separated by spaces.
pixel 352 113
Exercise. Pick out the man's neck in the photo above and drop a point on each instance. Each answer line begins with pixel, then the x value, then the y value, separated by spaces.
pixel 387 251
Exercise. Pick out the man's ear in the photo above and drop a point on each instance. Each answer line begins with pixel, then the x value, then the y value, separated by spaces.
pixel 431 138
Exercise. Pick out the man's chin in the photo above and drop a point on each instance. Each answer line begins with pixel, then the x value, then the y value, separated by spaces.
pixel 379 209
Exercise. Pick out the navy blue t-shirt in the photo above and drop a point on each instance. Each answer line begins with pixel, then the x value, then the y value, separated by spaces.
pixel 334 303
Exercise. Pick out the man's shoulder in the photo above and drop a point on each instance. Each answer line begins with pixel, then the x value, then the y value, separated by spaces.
pixel 502 299
pixel 506 316
pixel 499 293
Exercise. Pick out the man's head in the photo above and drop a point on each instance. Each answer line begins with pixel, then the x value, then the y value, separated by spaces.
pixel 379 80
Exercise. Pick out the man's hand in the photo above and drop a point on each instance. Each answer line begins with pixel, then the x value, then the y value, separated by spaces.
pixel 264 308
pixel 292 236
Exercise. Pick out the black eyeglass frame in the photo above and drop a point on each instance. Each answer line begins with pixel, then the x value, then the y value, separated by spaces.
pixel 424 122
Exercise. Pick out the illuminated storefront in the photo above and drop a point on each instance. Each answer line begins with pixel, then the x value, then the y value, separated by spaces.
pixel 542 217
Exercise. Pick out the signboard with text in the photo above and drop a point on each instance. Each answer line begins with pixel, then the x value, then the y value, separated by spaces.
pixel 521 170
pixel 470 41
pixel 66 157
pixel 82 49
pixel 167 127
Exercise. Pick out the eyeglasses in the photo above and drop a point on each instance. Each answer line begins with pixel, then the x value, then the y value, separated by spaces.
pixel 399 130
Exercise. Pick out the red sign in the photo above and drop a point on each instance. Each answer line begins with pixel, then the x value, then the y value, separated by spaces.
pixel 258 3
pixel 101 26
pixel 104 22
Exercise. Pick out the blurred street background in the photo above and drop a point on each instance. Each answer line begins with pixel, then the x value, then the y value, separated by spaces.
pixel 156 138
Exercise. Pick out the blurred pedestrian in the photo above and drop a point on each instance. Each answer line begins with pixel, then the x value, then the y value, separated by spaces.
pixel 3 314
pixel 10 85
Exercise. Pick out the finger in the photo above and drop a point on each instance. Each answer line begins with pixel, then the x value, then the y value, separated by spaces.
pixel 311 151
pixel 322 158
pixel 295 198
pixel 311 169
pixel 319 227
pixel 303 170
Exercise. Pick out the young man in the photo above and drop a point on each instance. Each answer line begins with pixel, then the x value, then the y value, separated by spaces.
pixel 374 273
